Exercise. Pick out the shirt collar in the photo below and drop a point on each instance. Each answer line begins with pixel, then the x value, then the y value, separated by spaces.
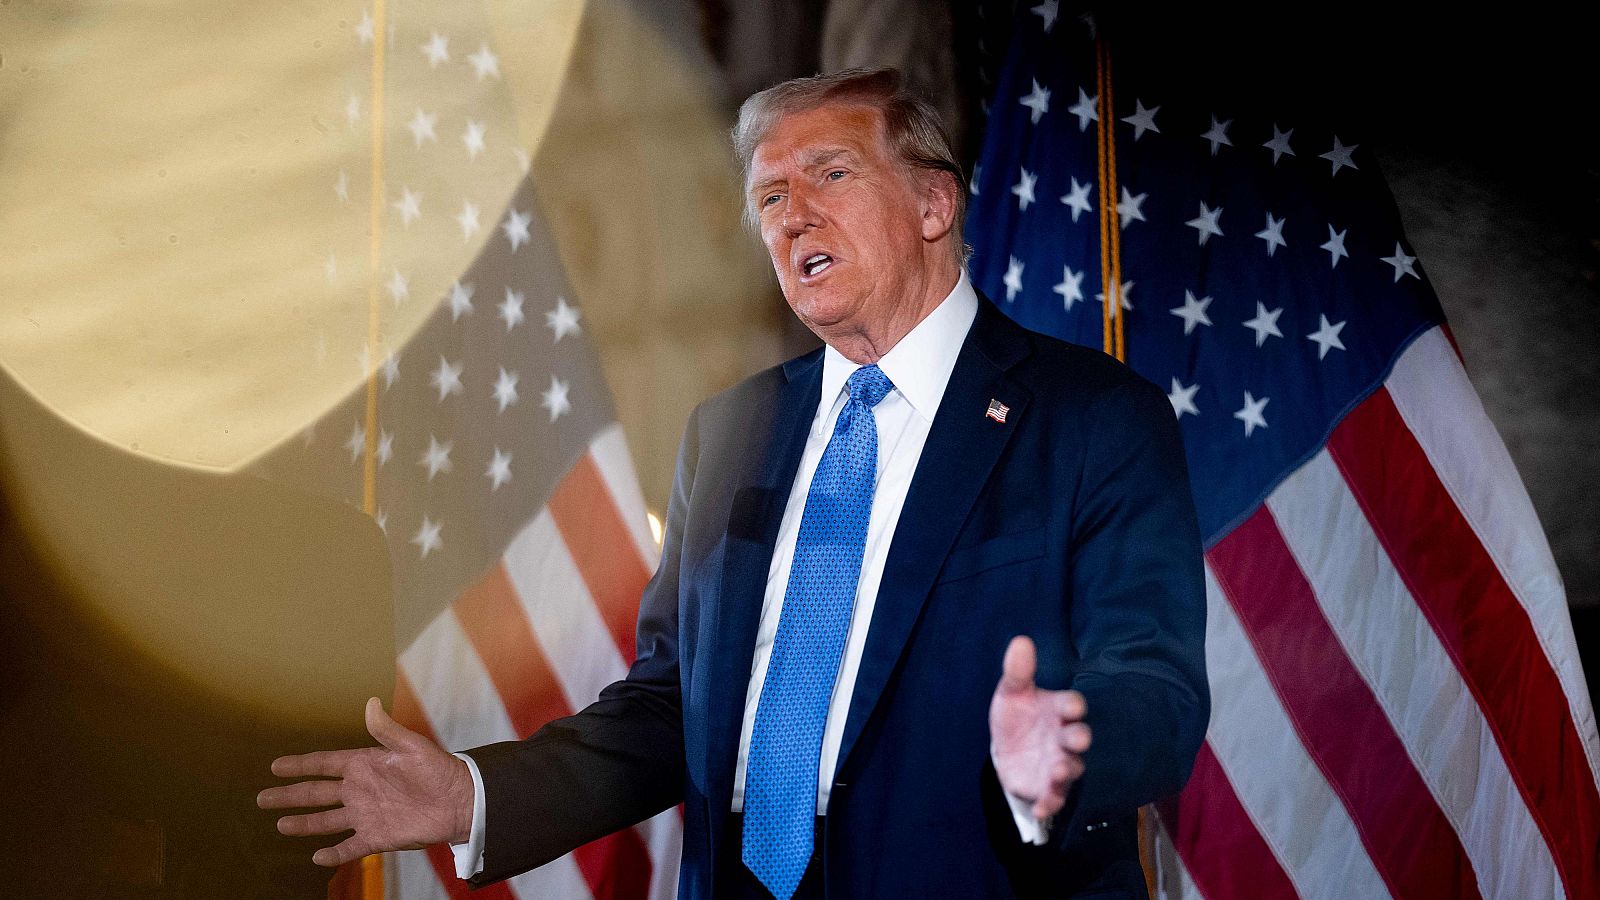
pixel 921 363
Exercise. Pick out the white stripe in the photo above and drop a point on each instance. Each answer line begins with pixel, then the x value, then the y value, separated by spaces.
pixel 1438 404
pixel 411 877
pixel 1399 655
pixel 1280 788
pixel 464 710
pixel 610 452
pixel 664 836
pixel 565 621
pixel 1172 879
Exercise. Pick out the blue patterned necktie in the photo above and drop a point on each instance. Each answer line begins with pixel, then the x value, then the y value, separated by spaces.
pixel 780 794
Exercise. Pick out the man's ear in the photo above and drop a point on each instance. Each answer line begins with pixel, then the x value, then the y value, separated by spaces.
pixel 939 190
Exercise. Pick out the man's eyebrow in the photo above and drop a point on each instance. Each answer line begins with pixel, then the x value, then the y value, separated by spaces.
pixel 817 159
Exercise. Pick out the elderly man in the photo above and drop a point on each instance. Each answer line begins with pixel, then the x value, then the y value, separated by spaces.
pixel 903 576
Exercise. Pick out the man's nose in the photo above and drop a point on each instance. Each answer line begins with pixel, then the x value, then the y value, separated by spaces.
pixel 799 212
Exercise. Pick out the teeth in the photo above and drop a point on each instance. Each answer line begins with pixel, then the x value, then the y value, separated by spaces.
pixel 816 263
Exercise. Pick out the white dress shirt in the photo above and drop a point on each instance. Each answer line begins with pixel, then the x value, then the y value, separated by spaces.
pixel 919 366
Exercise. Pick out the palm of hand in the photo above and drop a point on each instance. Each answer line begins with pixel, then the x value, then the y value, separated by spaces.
pixel 400 798
pixel 1038 736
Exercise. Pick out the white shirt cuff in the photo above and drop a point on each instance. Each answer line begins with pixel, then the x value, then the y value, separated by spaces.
pixel 1031 830
pixel 469 856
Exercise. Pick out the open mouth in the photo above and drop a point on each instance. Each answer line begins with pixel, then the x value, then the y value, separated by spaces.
pixel 816 264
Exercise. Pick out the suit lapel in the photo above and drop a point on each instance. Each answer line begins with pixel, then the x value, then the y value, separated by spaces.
pixel 962 447
pixel 753 521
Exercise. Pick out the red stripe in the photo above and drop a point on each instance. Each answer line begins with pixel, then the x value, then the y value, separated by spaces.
pixel 1337 716
pixel 408 712
pixel 1482 626
pixel 616 867
pixel 603 548
pixel 1220 846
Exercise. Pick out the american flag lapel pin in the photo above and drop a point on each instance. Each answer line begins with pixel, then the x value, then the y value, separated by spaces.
pixel 997 411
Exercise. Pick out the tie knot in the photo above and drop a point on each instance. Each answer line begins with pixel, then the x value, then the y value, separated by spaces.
pixel 869 385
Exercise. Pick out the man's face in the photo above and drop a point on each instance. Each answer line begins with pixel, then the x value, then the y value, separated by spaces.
pixel 841 217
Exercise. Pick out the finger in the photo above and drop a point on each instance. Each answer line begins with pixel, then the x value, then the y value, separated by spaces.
pixel 1074 738
pixel 1048 804
pixel 387 731
pixel 327 822
pixel 327 763
pixel 1018 668
pixel 1070 705
pixel 306 793
pixel 351 848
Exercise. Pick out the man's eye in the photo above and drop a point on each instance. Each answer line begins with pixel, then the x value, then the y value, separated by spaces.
pixel 771 199
pixel 835 175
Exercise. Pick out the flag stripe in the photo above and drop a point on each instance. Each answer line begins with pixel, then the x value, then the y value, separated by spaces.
pixel 615 866
pixel 1337 717
pixel 411 876
pixel 1206 816
pixel 1432 710
pixel 1484 628
pixel 1430 390
pixel 1173 881
pixel 1274 778
pixel 600 543
pixel 615 464
pixel 575 640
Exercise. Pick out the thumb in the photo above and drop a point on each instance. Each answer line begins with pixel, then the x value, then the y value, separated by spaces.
pixel 387 731
pixel 1017 671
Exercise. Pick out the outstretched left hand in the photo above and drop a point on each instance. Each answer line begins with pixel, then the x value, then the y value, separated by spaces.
pixel 1038 736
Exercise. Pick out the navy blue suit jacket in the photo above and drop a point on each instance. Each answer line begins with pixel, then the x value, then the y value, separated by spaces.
pixel 1071 522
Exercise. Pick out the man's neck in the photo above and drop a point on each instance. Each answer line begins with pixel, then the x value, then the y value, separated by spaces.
pixel 865 345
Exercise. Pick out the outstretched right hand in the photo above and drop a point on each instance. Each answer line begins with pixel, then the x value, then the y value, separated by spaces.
pixel 404 795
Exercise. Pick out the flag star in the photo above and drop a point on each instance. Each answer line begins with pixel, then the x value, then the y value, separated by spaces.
pixel 364 28
pixel 1206 223
pixel 1192 312
pixel 409 206
pixel 1273 234
pixel 1078 199
pixel 427 537
pixel 421 126
pixel 563 320
pixel 391 370
pixel 505 389
pixel 1024 188
pixel 1218 134
pixel 1279 145
pixel 499 471
pixel 1340 156
pixel 385 446
pixel 437 50
pixel 1142 119
pixel 516 228
pixel 1125 292
pixel 1085 110
pixel 1131 209
pixel 468 220
pixel 555 399
pixel 1250 413
pixel 381 519
pixel 1182 398
pixel 357 441
pixel 308 434
pixel 511 309
pixel 1013 279
pixel 1265 324
pixel 1048 10
pixel 524 160
pixel 977 176
pixel 1037 100
pixel 460 300
pixel 1402 263
pixel 1070 288
pixel 399 287
pixel 447 378
pixel 436 458
pixel 1335 246
pixel 1326 336
pixel 473 138
pixel 341 186
pixel 485 63
pixel 352 110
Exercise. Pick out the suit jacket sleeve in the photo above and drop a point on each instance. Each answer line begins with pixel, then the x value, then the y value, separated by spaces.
pixel 618 761
pixel 1138 613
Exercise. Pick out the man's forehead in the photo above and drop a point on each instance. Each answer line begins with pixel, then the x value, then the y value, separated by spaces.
pixel 813 135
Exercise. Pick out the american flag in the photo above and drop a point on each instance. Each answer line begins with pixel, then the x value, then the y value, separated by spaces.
pixel 499 478
pixel 1398 705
